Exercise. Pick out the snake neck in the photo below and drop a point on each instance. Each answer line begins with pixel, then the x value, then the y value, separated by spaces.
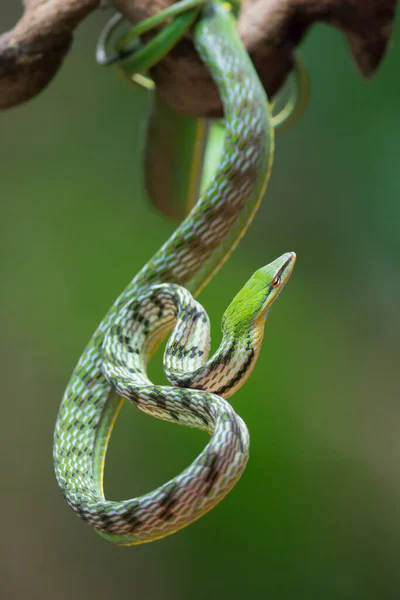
pixel 233 362
pixel 229 367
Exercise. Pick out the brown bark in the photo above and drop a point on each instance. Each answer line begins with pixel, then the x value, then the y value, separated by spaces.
pixel 32 52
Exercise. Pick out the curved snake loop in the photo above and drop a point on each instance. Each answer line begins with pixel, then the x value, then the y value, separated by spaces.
pixel 134 59
pixel 159 297
pixel 139 58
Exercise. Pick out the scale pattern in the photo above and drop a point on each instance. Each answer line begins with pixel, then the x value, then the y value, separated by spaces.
pixel 189 258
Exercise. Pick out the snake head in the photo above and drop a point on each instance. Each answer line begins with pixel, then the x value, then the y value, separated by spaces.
pixel 250 306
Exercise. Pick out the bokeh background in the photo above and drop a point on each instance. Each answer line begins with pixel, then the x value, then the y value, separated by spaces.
pixel 316 514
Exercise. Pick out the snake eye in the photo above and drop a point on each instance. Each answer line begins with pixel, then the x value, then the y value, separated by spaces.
pixel 276 282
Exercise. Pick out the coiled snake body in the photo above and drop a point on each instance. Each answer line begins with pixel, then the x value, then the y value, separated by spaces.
pixel 160 297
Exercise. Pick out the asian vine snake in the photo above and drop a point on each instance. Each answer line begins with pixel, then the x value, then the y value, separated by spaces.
pixel 158 298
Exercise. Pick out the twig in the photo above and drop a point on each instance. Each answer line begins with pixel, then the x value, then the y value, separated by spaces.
pixel 32 52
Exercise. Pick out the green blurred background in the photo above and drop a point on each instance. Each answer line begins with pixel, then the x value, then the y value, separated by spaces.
pixel 316 514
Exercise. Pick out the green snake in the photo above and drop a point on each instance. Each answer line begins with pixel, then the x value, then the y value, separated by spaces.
pixel 159 298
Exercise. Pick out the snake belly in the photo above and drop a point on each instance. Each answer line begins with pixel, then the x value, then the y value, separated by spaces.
pixel 190 258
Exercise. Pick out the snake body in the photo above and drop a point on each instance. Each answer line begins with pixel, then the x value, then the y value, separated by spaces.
pixel 159 298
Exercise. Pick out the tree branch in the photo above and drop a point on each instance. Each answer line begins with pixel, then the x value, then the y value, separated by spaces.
pixel 32 52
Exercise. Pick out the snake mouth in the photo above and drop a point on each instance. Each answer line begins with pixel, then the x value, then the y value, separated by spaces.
pixel 279 273
pixel 288 265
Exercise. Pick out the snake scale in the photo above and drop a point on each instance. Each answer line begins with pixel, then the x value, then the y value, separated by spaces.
pixel 160 298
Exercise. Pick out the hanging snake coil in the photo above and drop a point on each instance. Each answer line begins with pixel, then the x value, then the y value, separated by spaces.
pixel 160 298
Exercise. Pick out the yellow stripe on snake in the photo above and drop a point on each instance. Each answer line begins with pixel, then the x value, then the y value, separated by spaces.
pixel 160 298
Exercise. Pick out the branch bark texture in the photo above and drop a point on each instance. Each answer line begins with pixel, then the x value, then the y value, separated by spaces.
pixel 32 52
